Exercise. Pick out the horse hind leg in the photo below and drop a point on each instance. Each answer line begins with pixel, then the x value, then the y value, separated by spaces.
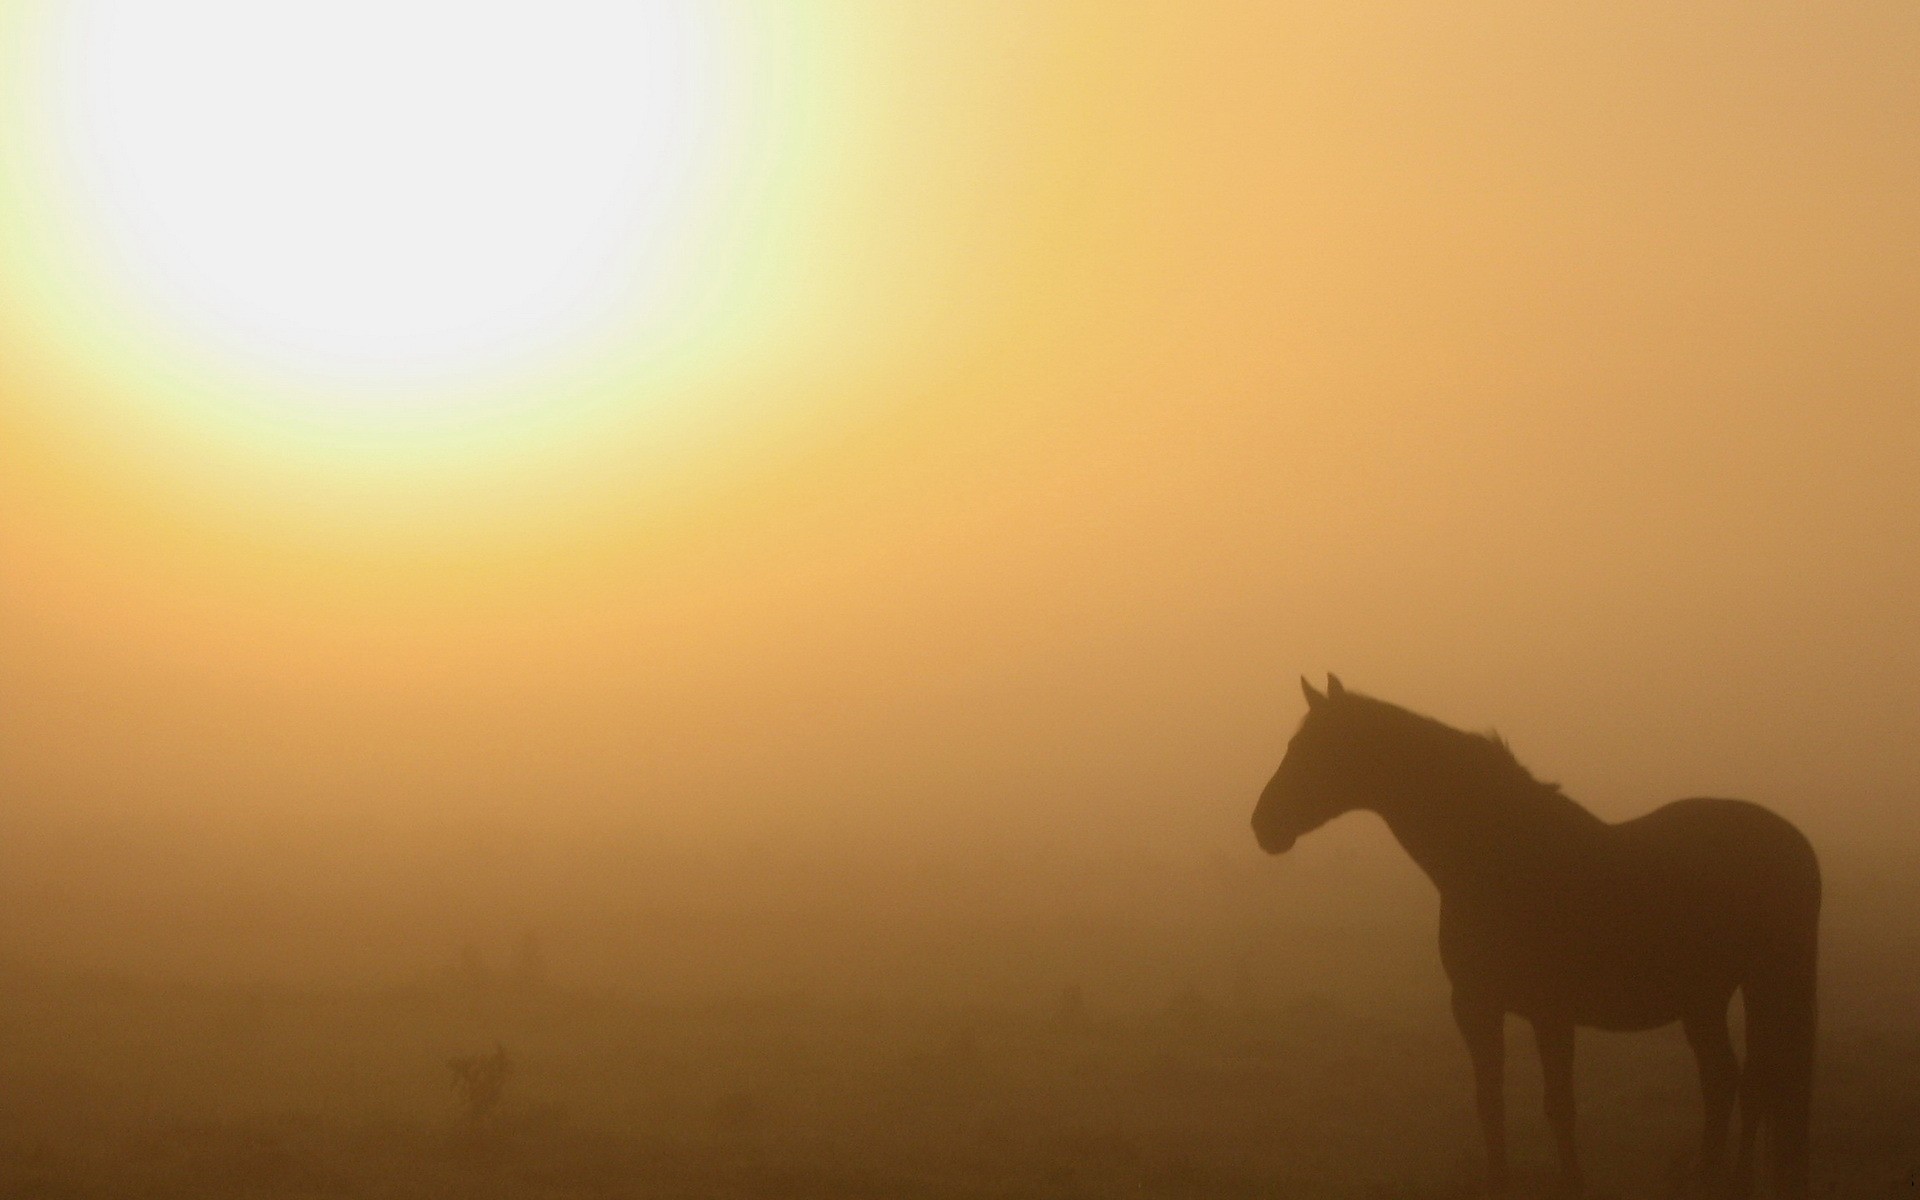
pixel 1753 1101
pixel 1776 1089
pixel 1719 1080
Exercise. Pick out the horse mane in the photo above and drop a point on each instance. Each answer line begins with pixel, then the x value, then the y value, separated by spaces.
pixel 1508 764
pixel 1483 760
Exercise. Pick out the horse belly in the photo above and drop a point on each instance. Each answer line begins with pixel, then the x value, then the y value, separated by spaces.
pixel 1621 1002
pixel 1560 974
pixel 1629 1008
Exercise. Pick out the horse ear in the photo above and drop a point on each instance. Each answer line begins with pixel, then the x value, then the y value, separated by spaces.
pixel 1335 689
pixel 1314 698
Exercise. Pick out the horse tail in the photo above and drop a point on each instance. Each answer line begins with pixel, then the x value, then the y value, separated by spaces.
pixel 1776 1089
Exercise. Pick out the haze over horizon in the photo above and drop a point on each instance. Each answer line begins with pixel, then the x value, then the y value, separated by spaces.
pixel 1109 369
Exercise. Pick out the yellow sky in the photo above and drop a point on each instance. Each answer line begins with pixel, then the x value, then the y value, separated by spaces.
pixel 1111 365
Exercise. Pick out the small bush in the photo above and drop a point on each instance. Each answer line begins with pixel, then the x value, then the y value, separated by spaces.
pixel 480 1081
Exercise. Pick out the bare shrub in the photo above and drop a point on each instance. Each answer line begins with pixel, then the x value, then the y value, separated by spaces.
pixel 480 1080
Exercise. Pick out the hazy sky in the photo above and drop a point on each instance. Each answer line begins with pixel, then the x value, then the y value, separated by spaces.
pixel 1536 368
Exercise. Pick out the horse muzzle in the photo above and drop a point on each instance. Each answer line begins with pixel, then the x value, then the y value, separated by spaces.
pixel 1273 841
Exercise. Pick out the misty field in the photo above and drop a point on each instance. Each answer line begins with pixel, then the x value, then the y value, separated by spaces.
pixel 1325 1068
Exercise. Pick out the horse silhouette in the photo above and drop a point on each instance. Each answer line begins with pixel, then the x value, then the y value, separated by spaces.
pixel 1554 915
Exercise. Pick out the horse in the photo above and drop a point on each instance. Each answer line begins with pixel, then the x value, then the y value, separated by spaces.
pixel 1551 914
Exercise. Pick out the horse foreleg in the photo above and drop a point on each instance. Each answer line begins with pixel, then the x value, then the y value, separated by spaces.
pixel 1483 1024
pixel 1719 1081
pixel 1555 1040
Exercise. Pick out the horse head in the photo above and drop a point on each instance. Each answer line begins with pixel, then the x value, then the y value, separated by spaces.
pixel 1319 779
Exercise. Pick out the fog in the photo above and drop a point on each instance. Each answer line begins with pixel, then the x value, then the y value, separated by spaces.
pixel 1538 371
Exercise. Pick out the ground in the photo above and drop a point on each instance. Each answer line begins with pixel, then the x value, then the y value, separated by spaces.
pixel 111 1088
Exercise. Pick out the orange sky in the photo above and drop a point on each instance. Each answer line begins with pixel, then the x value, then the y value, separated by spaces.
pixel 1535 368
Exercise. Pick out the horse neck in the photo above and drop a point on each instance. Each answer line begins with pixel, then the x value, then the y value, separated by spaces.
pixel 1464 836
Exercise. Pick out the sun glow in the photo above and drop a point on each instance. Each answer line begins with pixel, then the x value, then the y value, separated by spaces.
pixel 362 221
pixel 370 192
pixel 352 277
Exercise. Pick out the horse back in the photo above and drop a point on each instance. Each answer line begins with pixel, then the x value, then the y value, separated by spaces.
pixel 1624 926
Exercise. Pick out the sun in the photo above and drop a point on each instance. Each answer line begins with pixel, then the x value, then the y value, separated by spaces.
pixel 387 205
pixel 332 266
pixel 390 191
